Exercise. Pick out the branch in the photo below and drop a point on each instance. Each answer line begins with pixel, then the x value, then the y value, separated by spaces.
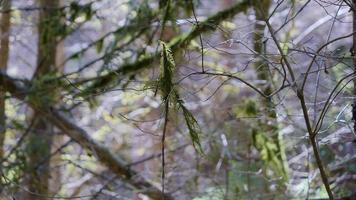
pixel 301 97
pixel 210 24
pixel 102 153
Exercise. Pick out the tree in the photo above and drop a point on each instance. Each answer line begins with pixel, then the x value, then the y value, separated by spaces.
pixel 152 103
pixel 41 137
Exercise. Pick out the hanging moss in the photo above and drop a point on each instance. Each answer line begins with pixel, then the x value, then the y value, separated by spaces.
pixel 180 41
pixel 167 67
pixel 193 126
pixel 170 95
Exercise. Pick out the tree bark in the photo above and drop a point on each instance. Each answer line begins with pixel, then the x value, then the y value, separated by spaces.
pixel 41 138
pixel 4 56
pixel 55 182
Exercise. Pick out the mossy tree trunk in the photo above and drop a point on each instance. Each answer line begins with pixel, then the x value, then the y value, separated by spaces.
pixel 269 139
pixel 41 137
pixel 58 138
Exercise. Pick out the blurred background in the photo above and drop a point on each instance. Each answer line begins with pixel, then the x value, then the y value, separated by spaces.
pixel 89 88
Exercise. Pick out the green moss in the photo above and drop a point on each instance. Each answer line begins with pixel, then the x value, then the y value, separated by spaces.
pixel 44 90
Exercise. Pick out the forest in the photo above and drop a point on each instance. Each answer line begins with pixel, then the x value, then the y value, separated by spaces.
pixel 178 99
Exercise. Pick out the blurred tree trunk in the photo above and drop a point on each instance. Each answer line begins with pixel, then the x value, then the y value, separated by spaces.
pixel 261 66
pixel 268 125
pixel 41 138
pixel 55 180
pixel 353 52
pixel 4 56
pixel 58 138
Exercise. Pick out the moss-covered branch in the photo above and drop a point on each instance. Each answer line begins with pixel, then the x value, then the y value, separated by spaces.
pixel 112 161
pixel 210 24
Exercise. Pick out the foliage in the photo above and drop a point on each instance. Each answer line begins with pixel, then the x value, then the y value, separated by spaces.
pixel 170 94
pixel 123 61
pixel 77 10
pixel 269 151
pixel 44 90
pixel 166 77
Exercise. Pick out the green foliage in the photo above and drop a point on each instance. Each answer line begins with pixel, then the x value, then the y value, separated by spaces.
pixel 63 21
pixel 137 20
pixel 247 109
pixel 166 77
pixel 251 108
pixel 193 126
pixel 269 152
pixel 13 168
pixel 268 146
pixel 170 95
pixel 76 10
pixel 51 28
pixel 182 40
pixel 44 89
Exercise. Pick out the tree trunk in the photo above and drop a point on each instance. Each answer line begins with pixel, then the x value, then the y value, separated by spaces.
pixel 41 137
pixel 4 56
pixel 58 138
pixel 267 125
pixel 353 52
